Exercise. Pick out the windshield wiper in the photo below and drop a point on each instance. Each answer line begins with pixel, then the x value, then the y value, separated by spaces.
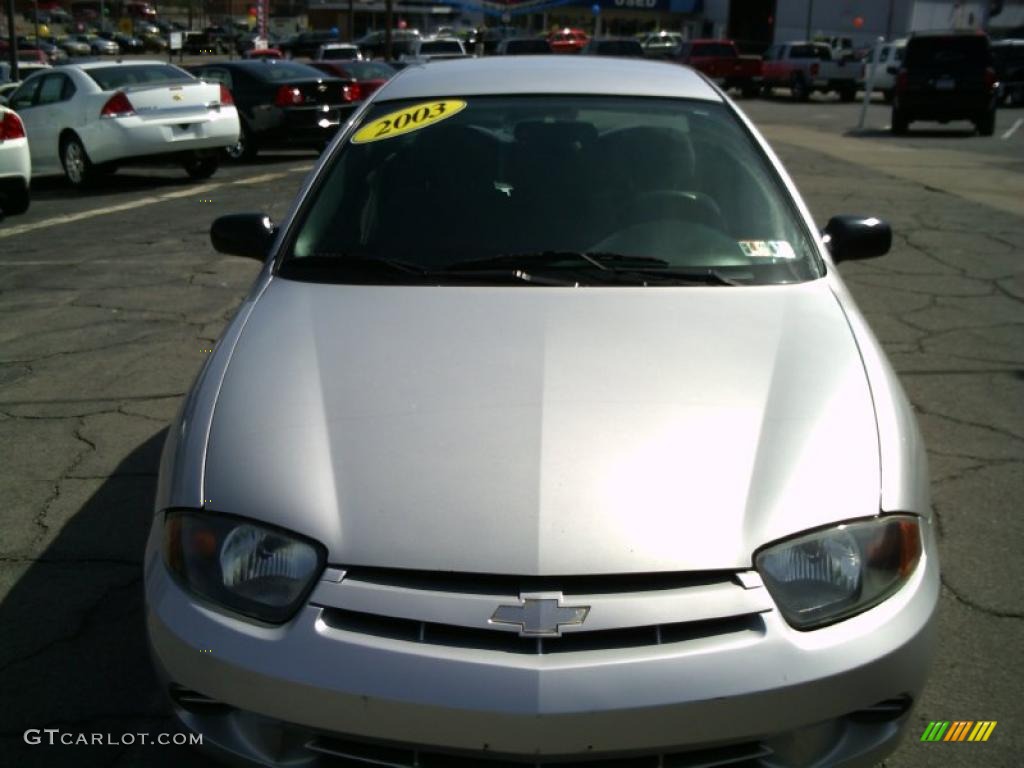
pixel 329 262
pixel 603 261
pixel 688 275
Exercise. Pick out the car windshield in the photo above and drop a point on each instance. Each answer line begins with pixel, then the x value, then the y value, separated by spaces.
pixel 123 75
pixel 436 185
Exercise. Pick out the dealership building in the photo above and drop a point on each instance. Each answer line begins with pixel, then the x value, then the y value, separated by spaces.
pixel 755 24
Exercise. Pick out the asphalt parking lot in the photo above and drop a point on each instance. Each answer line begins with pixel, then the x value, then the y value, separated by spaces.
pixel 108 300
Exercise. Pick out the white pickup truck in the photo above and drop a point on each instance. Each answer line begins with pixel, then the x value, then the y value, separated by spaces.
pixel 804 68
pixel 427 49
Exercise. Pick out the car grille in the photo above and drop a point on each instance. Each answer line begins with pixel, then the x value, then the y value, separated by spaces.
pixel 357 753
pixel 464 637
pixel 627 611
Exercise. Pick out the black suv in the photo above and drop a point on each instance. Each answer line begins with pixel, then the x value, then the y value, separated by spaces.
pixel 946 76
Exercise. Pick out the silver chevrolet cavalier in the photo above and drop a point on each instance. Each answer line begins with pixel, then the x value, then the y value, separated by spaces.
pixel 548 433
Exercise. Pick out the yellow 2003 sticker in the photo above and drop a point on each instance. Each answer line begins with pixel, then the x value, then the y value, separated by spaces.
pixel 407 120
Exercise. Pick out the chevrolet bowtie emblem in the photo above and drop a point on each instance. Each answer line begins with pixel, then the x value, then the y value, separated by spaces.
pixel 176 97
pixel 540 615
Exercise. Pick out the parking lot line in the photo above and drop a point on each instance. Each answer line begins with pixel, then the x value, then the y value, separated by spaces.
pixel 1013 128
pixel 140 203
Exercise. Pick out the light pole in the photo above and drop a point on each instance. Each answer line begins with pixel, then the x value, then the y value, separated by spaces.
pixel 810 13
pixel 12 49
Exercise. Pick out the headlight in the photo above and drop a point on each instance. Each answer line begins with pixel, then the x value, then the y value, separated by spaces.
pixel 250 568
pixel 829 575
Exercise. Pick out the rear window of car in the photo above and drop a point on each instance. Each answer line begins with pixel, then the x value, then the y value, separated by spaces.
pixel 619 48
pixel 1008 54
pixel 276 70
pixel 122 75
pixel 810 52
pixel 340 53
pixel 440 46
pixel 968 51
pixel 719 50
pixel 666 179
pixel 369 70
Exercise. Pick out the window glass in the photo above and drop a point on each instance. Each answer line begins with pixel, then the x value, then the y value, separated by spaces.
pixel 119 76
pixel 26 94
pixel 217 75
pixel 50 90
pixel 675 180
pixel 280 71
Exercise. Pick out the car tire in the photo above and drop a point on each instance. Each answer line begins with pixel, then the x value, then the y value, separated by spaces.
pixel 900 122
pixel 750 91
pixel 14 202
pixel 798 88
pixel 244 149
pixel 78 168
pixel 986 123
pixel 887 96
pixel 201 166
pixel 847 94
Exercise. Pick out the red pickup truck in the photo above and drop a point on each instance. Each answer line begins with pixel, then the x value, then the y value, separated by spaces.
pixel 721 61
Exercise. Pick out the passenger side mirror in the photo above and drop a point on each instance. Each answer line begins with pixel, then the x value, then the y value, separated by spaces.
pixel 857 237
pixel 243 234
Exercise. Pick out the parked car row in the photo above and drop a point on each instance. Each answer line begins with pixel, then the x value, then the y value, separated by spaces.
pixel 85 120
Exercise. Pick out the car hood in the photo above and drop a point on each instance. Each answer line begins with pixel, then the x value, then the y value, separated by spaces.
pixel 544 430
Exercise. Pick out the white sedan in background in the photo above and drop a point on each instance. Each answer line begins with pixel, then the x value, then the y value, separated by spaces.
pixel 15 165
pixel 86 119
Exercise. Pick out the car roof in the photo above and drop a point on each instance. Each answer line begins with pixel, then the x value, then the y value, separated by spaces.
pixel 548 75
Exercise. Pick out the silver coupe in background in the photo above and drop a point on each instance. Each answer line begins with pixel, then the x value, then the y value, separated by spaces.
pixel 548 433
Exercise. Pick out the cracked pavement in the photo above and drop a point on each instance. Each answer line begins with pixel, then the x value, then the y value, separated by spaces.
pixel 102 327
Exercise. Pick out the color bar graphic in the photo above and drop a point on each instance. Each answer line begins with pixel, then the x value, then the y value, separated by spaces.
pixel 958 730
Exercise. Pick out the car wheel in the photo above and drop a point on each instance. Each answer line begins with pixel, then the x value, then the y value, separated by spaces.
pixel 847 94
pixel 900 121
pixel 78 168
pixel 14 202
pixel 201 166
pixel 986 123
pixel 887 96
pixel 243 149
pixel 750 91
pixel 798 88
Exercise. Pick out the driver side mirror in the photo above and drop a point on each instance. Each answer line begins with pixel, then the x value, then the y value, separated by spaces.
pixel 857 237
pixel 244 234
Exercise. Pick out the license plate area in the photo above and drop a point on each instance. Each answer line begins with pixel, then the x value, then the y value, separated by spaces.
pixel 945 84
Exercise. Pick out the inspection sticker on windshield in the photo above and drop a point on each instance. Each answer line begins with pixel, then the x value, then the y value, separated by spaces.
pixel 767 249
pixel 407 120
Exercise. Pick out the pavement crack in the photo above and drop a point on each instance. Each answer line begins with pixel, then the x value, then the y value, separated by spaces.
pixel 974 605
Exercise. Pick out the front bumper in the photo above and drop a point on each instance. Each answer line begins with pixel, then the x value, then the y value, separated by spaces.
pixel 834 696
